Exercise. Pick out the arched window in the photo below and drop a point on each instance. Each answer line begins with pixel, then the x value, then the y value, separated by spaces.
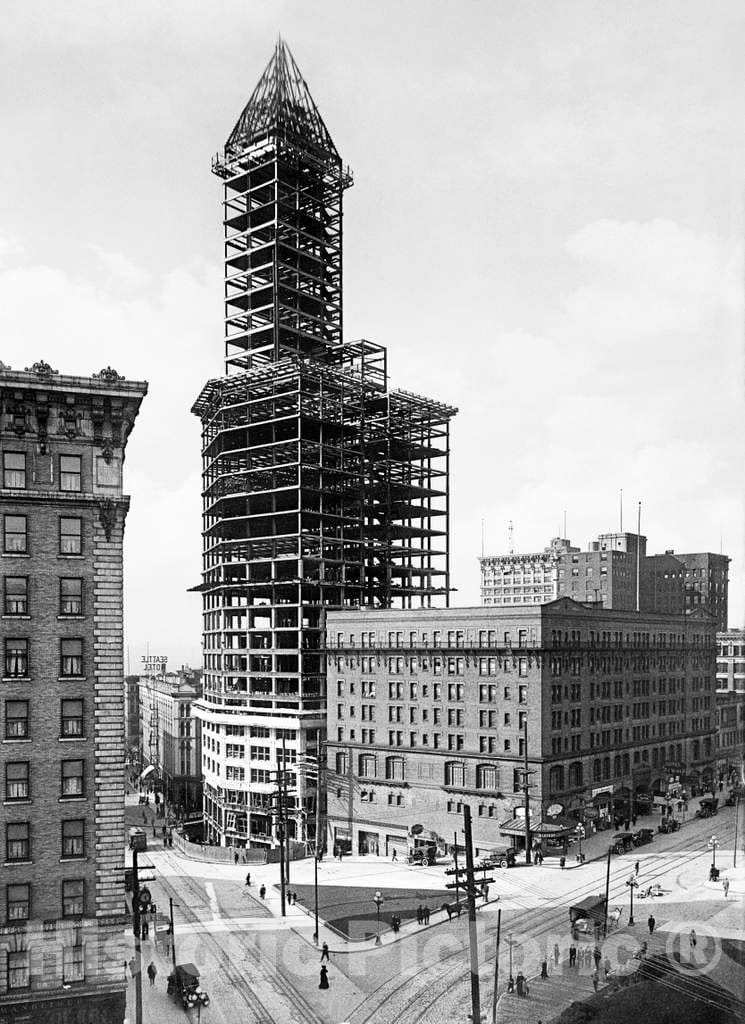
pixel 617 766
pixel 341 763
pixel 454 773
pixel 597 770
pixel 556 778
pixel 575 773
pixel 368 768
pixel 394 768
pixel 487 777
pixel 606 767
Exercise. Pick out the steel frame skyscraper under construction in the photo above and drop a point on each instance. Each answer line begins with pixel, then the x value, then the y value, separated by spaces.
pixel 322 488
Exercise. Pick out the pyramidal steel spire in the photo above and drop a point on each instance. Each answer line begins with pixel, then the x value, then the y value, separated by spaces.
pixel 281 102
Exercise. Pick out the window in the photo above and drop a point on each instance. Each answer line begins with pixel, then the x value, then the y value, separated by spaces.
pixel 70 535
pixel 454 773
pixel 16 719
pixel 16 595
pixel 394 768
pixel 69 473
pixel 18 901
pixel 487 777
pixel 367 766
pixel 17 841
pixel 73 838
pixel 16 780
pixel 14 470
pixel 71 657
pixel 72 779
pixel 16 658
pixel 14 535
pixel 73 964
pixel 341 763
pixel 73 897
pixel 18 970
pixel 70 596
pixel 71 726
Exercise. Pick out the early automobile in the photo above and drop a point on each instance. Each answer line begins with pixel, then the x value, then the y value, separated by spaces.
pixel 643 836
pixel 183 985
pixel 668 825
pixel 502 857
pixel 707 808
pixel 422 856
pixel 622 842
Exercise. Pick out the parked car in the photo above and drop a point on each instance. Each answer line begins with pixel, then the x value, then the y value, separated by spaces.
pixel 422 856
pixel 557 842
pixel 622 842
pixel 731 800
pixel 643 836
pixel 668 825
pixel 707 808
pixel 503 857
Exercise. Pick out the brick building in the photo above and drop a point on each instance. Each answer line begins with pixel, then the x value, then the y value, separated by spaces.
pixel 427 710
pixel 171 736
pixel 707 584
pixel 731 703
pixel 62 441
pixel 515 578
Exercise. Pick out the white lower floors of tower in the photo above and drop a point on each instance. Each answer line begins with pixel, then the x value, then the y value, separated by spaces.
pixel 245 757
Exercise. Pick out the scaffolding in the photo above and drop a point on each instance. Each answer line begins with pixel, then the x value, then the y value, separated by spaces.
pixel 322 488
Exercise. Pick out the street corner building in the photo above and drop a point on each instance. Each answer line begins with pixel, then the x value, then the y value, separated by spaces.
pixel 62 512
pixel 594 709
pixel 322 487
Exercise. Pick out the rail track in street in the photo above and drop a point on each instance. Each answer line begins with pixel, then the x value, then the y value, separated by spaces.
pixel 437 981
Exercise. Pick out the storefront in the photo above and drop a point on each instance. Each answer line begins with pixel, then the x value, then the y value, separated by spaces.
pixel 398 843
pixel 342 840
pixel 368 843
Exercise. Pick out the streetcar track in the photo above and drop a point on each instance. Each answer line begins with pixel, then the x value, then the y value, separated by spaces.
pixel 276 978
pixel 532 918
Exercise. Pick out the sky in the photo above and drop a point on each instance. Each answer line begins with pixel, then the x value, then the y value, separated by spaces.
pixel 546 231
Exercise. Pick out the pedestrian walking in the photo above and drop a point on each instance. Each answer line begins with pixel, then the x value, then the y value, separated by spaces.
pixel 324 983
pixel 170 837
pixel 262 891
pixel 152 972
pixel 236 855
pixel 154 832
pixel 419 914
pixel 557 954
pixel 248 879
pixel 725 886
pixel 633 822
pixel 394 856
pixel 597 957
pixel 692 939
pixel 289 897
pixel 511 984
pixel 562 862
pixel 606 967
pixel 325 952
pixel 544 968
pixel 520 982
pixel 572 955
pixel 164 831
pixel 426 915
pixel 651 923
pixel 636 868
pixel 595 979
pixel 145 929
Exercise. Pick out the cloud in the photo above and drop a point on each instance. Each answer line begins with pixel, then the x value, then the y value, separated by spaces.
pixel 121 269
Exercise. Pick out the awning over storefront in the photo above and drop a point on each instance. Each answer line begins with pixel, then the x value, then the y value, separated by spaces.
pixel 545 829
pixel 148 771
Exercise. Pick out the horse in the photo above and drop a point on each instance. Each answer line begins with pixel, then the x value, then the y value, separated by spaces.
pixel 614 917
pixel 452 908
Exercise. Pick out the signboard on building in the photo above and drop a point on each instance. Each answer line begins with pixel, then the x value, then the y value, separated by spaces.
pixel 154 664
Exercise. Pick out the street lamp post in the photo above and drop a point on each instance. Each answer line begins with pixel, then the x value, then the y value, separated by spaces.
pixel 378 901
pixel 632 884
pixel 580 833
pixel 713 844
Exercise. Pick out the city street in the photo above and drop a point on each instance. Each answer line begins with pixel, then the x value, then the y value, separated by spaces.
pixel 251 958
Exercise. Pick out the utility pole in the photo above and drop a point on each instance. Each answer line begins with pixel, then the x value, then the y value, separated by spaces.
pixel 138 946
pixel 607 894
pixel 526 791
pixel 173 932
pixel 471 899
pixel 281 837
pixel 737 821
pixel 496 970
pixel 319 790
pixel 284 784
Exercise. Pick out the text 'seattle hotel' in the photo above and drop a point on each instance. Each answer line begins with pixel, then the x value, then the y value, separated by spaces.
pixel 322 487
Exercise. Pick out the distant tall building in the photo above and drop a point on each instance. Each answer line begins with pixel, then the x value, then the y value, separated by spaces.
pixel 62 441
pixel 731 703
pixel 707 584
pixel 523 578
pixel 322 487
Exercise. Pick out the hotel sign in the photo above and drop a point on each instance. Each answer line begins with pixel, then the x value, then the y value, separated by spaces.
pixel 154 664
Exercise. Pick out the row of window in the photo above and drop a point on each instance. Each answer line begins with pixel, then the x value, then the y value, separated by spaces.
pixel 17 719
pixel 455 638
pixel 15 474
pixel 16 658
pixel 15 535
pixel 18 843
pixel 16 595
pixel 18 780
pixel 19 966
